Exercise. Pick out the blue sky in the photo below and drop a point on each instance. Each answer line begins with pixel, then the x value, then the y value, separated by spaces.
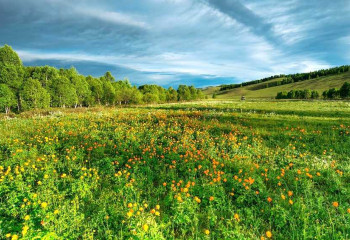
pixel 171 42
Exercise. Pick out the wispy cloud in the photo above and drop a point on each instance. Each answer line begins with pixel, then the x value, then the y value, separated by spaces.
pixel 112 17
pixel 169 41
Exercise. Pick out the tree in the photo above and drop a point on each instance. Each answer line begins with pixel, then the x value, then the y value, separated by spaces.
pixel 7 98
pixel 315 94
pixel 307 94
pixel 108 92
pixel 344 91
pixel 171 95
pixel 96 89
pixel 9 57
pixel 45 74
pixel 11 71
pixel 63 93
pixel 33 95
pixel 332 93
pixel 183 93
pixel 193 92
pixel 82 89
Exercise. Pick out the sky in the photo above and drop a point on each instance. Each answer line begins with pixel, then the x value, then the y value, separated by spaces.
pixel 172 42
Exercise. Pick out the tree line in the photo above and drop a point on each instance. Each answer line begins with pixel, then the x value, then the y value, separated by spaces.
pixel 24 88
pixel 332 93
pixel 291 78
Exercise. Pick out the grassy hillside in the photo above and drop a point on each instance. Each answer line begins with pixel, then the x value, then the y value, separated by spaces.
pixel 258 90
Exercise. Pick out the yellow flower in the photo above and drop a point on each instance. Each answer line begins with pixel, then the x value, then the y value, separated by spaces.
pixel 207 232
pixel 27 217
pixel 157 213
pixel 157 207
pixel 129 214
pixel 145 227
pixel 290 201
pixel 14 237
pixel 44 204
pixel 197 199
pixel 56 212
pixel 129 205
pixel 268 234
pixel 8 235
pixel 25 230
pixel 236 216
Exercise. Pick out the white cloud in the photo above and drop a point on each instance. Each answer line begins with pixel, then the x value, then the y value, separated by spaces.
pixel 113 17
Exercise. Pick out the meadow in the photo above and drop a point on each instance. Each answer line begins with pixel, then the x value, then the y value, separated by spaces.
pixel 204 170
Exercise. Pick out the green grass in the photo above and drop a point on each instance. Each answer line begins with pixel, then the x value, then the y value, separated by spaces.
pixel 204 170
pixel 255 91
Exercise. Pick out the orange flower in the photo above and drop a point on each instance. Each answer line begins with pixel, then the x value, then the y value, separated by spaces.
pixel 290 193
pixel 211 198
pixel 268 234
pixel 269 199
pixel 335 204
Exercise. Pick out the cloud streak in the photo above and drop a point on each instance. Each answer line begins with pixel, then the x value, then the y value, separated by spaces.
pixel 202 42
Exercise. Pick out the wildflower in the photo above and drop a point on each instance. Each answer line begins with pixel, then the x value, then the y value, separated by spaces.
pixel 348 210
pixel 129 205
pixel 157 207
pixel 236 216
pixel 44 204
pixel 129 214
pixel 25 230
pixel 268 234
pixel 197 199
pixel 335 204
pixel 290 193
pixel 56 212
pixel 211 199
pixel 290 201
pixel 269 199
pixel 207 232
pixel 145 227
pixel 27 217
pixel 157 213
pixel 283 197
pixel 14 237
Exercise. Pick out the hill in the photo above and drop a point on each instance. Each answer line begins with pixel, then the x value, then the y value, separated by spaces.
pixel 259 90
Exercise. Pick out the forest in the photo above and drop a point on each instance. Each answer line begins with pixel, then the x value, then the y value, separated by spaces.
pixel 332 93
pixel 38 87
pixel 291 78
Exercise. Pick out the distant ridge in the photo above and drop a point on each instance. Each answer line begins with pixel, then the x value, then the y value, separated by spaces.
pixel 268 87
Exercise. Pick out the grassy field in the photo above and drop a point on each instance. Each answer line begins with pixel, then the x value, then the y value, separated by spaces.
pixel 206 170
pixel 257 91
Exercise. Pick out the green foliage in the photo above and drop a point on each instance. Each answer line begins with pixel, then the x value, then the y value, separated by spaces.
pixel 7 98
pixel 222 170
pixel 286 79
pixel 298 94
pixel 9 57
pixel 33 95
pixel 42 87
